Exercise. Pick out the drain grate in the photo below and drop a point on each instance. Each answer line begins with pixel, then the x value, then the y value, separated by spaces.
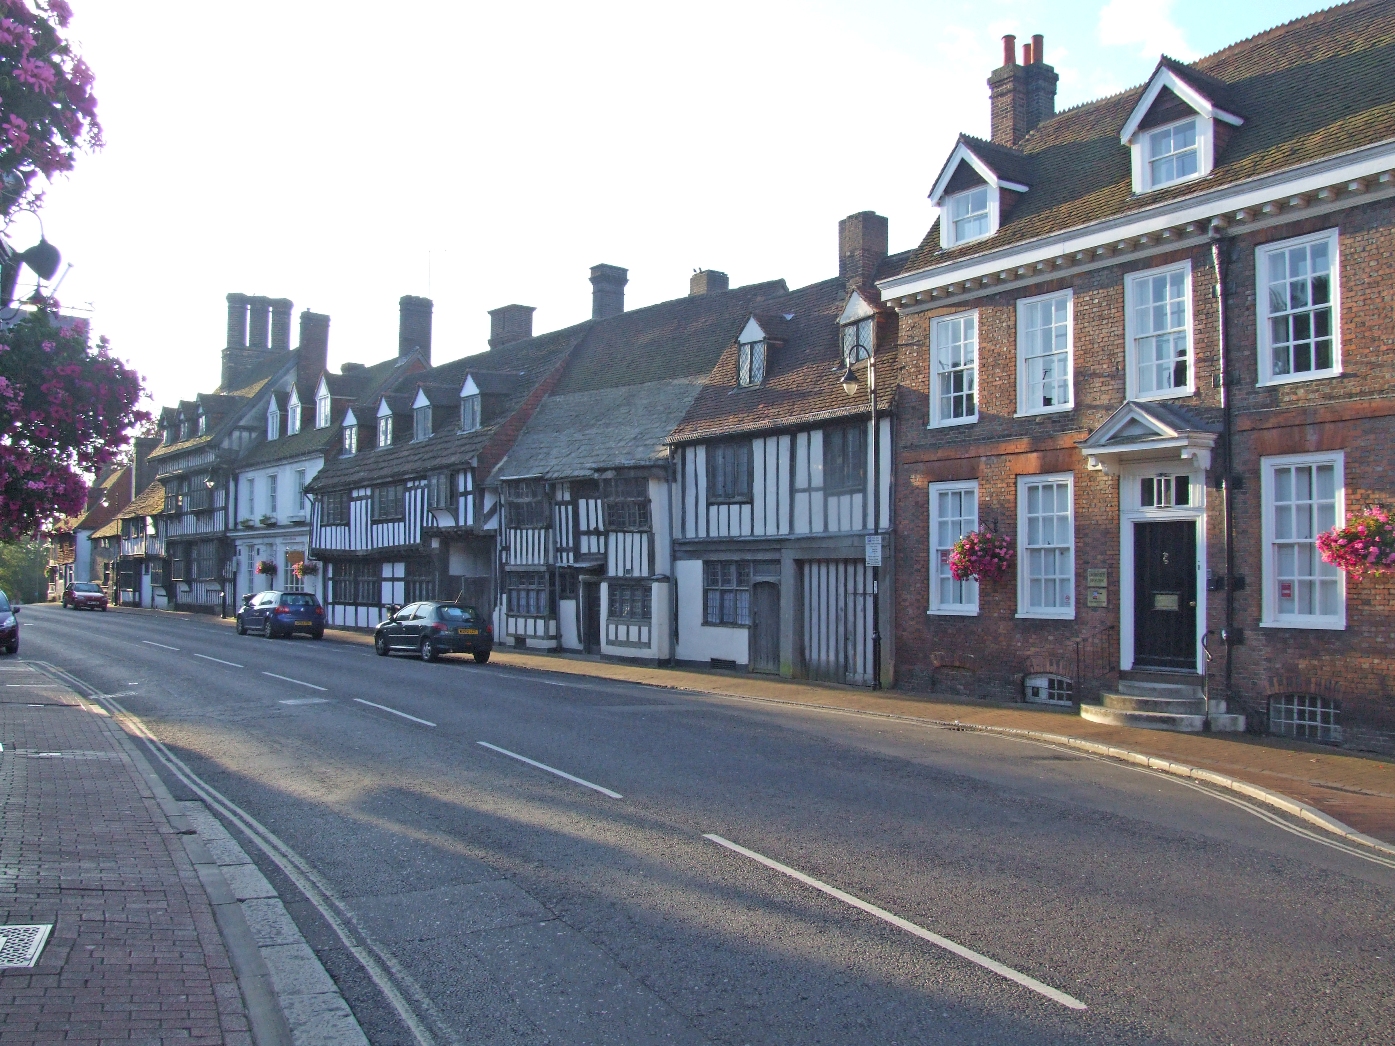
pixel 21 945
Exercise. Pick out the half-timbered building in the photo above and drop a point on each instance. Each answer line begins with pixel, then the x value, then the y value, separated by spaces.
pixel 781 479
pixel 586 492
pixel 398 513
pixel 1173 308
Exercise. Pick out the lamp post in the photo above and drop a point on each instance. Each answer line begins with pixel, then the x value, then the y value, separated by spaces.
pixel 849 383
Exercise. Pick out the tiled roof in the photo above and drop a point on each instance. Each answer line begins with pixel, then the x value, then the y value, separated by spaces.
pixel 304 443
pixel 529 360
pixel 1309 89
pixel 801 374
pixel 629 382
pixel 151 502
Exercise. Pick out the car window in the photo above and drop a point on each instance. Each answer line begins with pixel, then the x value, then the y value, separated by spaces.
pixel 408 613
pixel 4 603
pixel 458 614
pixel 266 599
pixel 298 599
pixel 87 586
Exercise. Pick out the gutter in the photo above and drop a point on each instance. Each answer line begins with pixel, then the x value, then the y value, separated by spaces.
pixel 1228 634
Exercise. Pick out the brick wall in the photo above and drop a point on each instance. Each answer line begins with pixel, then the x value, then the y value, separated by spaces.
pixel 987 655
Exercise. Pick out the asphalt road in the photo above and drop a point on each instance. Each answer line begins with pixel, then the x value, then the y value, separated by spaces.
pixel 483 899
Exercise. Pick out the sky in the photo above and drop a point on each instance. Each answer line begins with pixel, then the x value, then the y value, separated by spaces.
pixel 344 154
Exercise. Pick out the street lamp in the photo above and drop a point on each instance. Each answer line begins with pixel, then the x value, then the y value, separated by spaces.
pixel 849 383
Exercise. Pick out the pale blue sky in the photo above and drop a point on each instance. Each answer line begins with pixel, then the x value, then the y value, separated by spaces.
pixel 345 154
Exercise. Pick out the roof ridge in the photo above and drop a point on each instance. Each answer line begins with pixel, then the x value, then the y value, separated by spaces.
pixel 1315 16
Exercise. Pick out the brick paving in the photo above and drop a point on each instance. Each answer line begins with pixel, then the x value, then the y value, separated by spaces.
pixel 135 956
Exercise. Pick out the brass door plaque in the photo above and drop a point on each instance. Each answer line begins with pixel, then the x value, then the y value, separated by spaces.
pixel 1165 600
pixel 1097 597
pixel 1096 578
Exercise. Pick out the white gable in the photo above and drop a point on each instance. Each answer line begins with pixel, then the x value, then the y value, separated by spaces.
pixel 295 397
pixel 419 402
pixel 963 154
pixel 469 388
pixel 751 332
pixel 271 407
pixel 349 419
pixel 1166 78
pixel 856 309
pixel 383 409
pixel 323 390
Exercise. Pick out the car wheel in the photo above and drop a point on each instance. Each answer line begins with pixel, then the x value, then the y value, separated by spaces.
pixel 267 633
pixel 481 657
pixel 318 635
pixel 241 627
pixel 13 648
pixel 428 651
pixel 380 646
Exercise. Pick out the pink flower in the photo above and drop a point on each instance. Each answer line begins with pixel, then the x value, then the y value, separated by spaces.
pixel 38 75
pixel 16 132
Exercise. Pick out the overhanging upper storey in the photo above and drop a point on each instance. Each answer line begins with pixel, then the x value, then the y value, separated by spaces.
pixel 1177 128
pixel 976 187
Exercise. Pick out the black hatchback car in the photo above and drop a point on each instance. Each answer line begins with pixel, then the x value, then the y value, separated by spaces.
pixel 273 614
pixel 429 630
pixel 9 625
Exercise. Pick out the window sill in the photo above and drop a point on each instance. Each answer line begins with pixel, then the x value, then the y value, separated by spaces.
pixel 1293 379
pixel 722 624
pixel 1168 185
pixel 1170 394
pixel 1317 625
pixel 953 612
pixel 1044 410
pixel 1042 616
pixel 729 501
pixel 953 423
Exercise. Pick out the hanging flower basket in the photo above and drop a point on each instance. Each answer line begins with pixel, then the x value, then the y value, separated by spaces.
pixel 267 567
pixel 1363 547
pixel 981 555
pixel 305 568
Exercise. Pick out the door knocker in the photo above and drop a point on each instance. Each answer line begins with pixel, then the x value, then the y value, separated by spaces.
pixel 1165 559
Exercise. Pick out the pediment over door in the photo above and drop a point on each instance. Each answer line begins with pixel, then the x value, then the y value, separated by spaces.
pixel 1142 431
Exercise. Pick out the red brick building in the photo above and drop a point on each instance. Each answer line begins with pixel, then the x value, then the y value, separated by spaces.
pixel 1150 340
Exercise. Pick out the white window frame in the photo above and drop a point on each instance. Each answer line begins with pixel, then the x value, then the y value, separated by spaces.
pixel 936 418
pixel 1269 614
pixel 251 497
pixel 1024 610
pixel 322 410
pixel 473 404
pixel 1022 384
pixel 1132 333
pixel 1143 157
pixel 300 488
pixel 271 494
pixel 1266 351
pixel 350 439
pixel 293 414
pixel 421 431
pixel 969 608
pixel 947 215
pixel 273 422
pixel 385 431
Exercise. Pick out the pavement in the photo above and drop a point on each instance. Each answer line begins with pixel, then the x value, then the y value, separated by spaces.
pixel 1352 789
pixel 147 899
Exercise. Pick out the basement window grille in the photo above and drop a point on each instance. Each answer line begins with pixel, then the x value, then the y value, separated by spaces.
pixel 1047 689
pixel 1306 717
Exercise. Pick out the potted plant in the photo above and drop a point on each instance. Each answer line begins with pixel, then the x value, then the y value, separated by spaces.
pixel 305 568
pixel 247 523
pixel 981 555
pixel 1364 546
pixel 268 521
pixel 266 567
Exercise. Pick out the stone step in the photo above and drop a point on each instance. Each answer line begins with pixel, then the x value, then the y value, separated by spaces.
pixel 1138 688
pixel 1227 723
pixel 1187 724
pixel 1150 703
pixel 1162 675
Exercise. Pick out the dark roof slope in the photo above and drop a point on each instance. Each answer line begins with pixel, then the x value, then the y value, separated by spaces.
pixel 1311 88
pixel 801 375
pixel 629 383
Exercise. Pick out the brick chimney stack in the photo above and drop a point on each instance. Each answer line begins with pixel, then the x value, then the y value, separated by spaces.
pixel 414 325
pixel 862 246
pixel 256 325
pixel 313 359
pixel 281 323
pixel 1023 96
pixel 258 322
pixel 608 290
pixel 142 475
pixel 509 324
pixel 708 281
pixel 237 321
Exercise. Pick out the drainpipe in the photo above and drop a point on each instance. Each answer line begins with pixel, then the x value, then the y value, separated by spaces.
pixel 675 499
pixel 1218 263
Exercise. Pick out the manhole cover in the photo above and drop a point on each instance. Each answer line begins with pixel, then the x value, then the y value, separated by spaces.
pixel 21 945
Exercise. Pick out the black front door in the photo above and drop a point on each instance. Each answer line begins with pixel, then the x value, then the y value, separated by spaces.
pixel 590 616
pixel 765 628
pixel 1164 595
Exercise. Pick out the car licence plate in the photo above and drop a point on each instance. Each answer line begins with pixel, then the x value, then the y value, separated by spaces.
pixel 468 631
pixel 300 623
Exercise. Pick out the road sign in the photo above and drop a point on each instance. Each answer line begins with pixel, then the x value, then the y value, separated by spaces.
pixel 874 550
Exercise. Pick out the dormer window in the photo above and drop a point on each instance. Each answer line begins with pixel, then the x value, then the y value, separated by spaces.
pixel 857 341
pixel 1172 154
pixel 968 212
pixel 273 421
pixel 183 428
pixel 385 431
pixel 293 414
pixel 168 431
pixel 750 367
pixel 469 413
pixel 1172 131
pixel 322 411
pixel 421 423
pixel 350 439
pixel 203 423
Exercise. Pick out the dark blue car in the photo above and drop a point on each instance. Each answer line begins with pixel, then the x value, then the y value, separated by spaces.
pixel 274 614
